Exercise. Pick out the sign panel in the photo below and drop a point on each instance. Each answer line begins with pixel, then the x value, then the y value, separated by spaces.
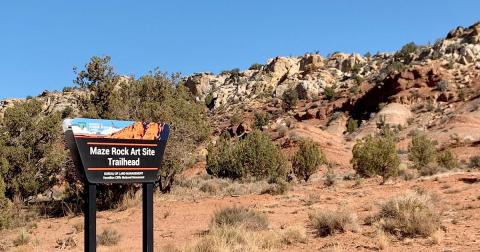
pixel 112 151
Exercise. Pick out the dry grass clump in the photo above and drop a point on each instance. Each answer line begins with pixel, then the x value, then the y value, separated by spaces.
pixel 437 237
pixel 129 200
pixel 410 215
pixel 109 237
pixel 330 178
pixel 66 243
pixel 240 216
pixel 382 240
pixel 170 247
pixel 277 188
pixel 78 227
pixel 225 187
pixel 237 229
pixel 213 186
pixel 231 238
pixel 294 235
pixel 328 222
pixel 22 238
pixel 408 174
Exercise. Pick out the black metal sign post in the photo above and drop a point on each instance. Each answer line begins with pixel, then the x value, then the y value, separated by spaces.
pixel 90 218
pixel 117 152
pixel 147 208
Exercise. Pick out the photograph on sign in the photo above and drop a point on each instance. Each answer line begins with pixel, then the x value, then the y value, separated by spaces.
pixel 113 151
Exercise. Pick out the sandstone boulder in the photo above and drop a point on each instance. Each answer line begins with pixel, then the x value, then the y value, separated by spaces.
pixel 394 114
pixel 311 62
pixel 198 84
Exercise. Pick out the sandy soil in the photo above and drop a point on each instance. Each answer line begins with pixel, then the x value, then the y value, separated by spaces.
pixel 182 218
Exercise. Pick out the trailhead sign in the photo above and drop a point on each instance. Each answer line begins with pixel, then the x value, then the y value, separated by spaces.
pixel 112 151
pixel 117 152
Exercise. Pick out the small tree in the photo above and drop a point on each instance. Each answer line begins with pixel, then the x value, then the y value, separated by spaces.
pixel 406 51
pixel 352 125
pixel 396 66
pixel 253 157
pixel 32 152
pixel 261 120
pixel 475 161
pixel 442 85
pixel 256 66
pixel 236 119
pixel 447 159
pixel 307 160
pixel 330 93
pixel 261 157
pixel 376 155
pixel 421 150
pixel 290 98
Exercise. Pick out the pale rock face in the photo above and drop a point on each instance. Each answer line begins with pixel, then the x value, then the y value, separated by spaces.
pixel 338 126
pixel 281 89
pixel 470 53
pixel 311 73
pixel 394 114
pixel 199 84
pixel 281 68
pixel 311 62
pixel 345 62
pixel 307 89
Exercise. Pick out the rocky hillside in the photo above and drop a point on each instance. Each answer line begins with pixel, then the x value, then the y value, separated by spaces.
pixel 431 87
pixel 311 74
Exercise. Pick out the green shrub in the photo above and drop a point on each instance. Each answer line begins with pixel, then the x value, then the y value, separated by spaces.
pixel 67 112
pixel 223 160
pixel 32 152
pixel 307 160
pixel 447 159
pixel 253 157
pixel 67 89
pixel 261 120
pixel 22 239
pixel 461 94
pixel 410 215
pixel 396 66
pixel 255 66
pixel 240 216
pixel 290 98
pixel 100 79
pixel 5 204
pixel 352 125
pixel 421 150
pixel 330 93
pixel 475 162
pixel 209 101
pixel 5 213
pixel 376 155
pixel 154 97
pixel 442 85
pixel 235 119
pixel 232 72
pixel 355 89
pixel 358 80
pixel 406 51
pixel 330 178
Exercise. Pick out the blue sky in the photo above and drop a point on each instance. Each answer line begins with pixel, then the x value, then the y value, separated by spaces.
pixel 41 41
